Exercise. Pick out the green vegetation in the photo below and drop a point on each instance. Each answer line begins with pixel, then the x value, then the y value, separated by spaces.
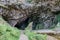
pixel 7 32
pixel 34 36
pixel 11 33
pixel 58 17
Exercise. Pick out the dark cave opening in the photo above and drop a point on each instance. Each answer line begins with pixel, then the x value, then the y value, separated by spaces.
pixel 20 26
pixel 23 24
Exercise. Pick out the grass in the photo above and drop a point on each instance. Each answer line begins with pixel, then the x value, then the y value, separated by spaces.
pixel 11 33
pixel 7 32
pixel 35 36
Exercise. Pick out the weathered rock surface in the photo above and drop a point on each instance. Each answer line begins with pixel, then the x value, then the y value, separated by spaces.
pixel 40 12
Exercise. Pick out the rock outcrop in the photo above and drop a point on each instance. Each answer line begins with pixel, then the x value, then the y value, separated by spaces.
pixel 39 11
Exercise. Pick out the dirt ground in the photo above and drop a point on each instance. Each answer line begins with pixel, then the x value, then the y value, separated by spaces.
pixel 51 38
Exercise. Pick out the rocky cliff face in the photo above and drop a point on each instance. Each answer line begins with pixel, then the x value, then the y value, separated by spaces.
pixel 40 12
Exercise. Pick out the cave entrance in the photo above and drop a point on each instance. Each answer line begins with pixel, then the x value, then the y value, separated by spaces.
pixel 23 24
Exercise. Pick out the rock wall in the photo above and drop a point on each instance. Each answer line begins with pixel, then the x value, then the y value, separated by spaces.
pixel 41 13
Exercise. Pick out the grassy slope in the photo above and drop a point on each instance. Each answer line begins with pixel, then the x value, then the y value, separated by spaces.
pixel 11 33
pixel 7 32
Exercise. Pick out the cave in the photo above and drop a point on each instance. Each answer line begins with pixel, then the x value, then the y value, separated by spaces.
pixel 36 11
pixel 23 24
